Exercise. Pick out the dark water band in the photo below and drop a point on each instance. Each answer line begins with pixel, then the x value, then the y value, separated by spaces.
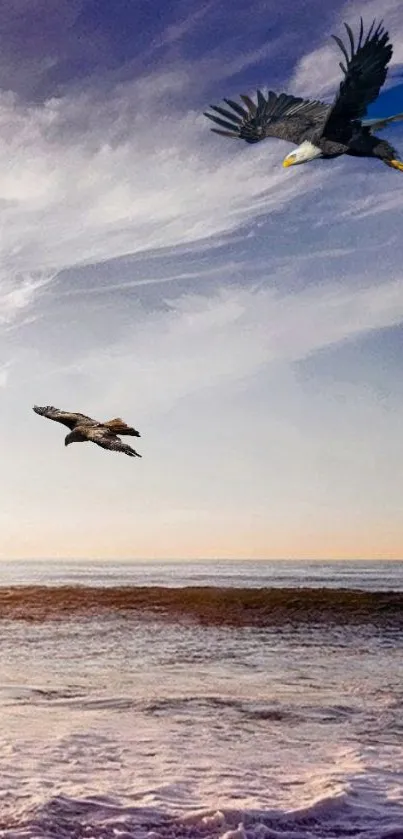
pixel 208 604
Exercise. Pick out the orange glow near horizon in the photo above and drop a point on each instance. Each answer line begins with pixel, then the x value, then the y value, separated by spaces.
pixel 347 544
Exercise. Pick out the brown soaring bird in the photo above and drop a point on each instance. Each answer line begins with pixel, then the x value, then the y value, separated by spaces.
pixel 316 128
pixel 83 429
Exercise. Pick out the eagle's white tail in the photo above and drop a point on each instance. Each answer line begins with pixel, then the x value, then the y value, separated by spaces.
pixel 378 124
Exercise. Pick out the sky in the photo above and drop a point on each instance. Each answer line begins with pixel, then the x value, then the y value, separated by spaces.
pixel 246 318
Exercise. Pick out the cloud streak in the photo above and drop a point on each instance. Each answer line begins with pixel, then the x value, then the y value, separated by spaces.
pixel 200 341
pixel 124 186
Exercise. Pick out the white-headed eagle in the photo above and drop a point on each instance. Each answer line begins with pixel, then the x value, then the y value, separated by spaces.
pixel 319 129
pixel 83 428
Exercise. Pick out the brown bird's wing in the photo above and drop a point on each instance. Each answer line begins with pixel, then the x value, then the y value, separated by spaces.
pixel 65 417
pixel 365 71
pixel 107 440
pixel 118 426
pixel 283 117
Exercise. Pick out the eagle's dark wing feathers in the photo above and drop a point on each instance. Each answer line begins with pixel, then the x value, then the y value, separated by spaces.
pixel 283 117
pixel 65 417
pixel 118 426
pixel 365 71
pixel 107 440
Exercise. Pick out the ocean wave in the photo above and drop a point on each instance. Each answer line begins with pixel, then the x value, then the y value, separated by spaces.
pixel 339 815
pixel 201 705
pixel 210 605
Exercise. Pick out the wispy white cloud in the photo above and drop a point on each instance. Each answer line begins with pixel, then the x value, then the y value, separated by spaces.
pixel 17 292
pixel 136 177
pixel 176 31
pixel 4 371
pixel 212 68
pixel 317 74
pixel 201 341
pixel 105 288
pixel 385 202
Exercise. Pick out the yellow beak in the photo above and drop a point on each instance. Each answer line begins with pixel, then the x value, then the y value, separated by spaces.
pixel 287 162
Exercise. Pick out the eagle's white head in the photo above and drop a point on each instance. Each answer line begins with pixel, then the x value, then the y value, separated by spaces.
pixel 306 151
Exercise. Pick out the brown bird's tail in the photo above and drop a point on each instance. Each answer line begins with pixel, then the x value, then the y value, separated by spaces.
pixel 119 427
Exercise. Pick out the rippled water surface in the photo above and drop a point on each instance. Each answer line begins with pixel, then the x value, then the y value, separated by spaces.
pixel 126 723
pixel 373 575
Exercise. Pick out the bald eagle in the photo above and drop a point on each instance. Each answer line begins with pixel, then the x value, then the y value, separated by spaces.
pixel 83 428
pixel 319 129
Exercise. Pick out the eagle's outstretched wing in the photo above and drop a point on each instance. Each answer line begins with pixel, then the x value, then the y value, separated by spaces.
pixel 65 417
pixel 118 426
pixel 283 117
pixel 107 440
pixel 365 72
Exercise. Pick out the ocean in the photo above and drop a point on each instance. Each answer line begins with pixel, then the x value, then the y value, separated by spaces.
pixel 206 700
